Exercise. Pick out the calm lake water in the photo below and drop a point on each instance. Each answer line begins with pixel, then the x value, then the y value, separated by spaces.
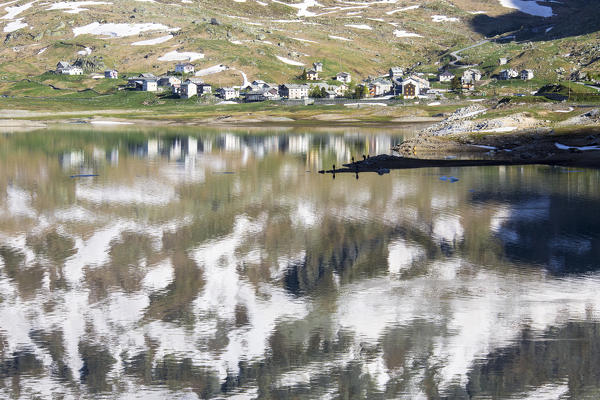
pixel 219 264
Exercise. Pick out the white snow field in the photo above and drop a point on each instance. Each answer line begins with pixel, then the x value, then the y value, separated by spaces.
pixel 359 26
pixel 183 56
pixel 443 18
pixel 15 25
pixel 290 62
pixel 530 7
pixel 340 38
pixel 75 7
pixel 112 30
pixel 212 70
pixel 404 34
pixel 13 12
pixel 85 52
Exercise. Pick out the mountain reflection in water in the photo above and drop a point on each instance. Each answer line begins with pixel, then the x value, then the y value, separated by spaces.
pixel 218 263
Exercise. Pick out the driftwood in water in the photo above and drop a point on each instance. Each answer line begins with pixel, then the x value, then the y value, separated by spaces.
pixel 383 163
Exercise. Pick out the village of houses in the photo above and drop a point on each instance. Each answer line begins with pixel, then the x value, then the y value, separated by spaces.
pixel 398 83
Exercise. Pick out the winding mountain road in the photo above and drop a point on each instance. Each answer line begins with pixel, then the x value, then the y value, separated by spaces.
pixel 459 58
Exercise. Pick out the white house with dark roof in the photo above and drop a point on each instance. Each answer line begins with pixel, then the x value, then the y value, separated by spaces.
pixel 507 74
pixel 111 74
pixel 188 90
pixel 293 91
pixel 228 93
pixel 380 87
pixel 343 77
pixel 185 68
pixel 527 74
pixel 150 85
pixel 312 75
pixel 64 68
pixel 446 76
pixel 471 75
pixel 414 86
pixel 168 80
pixel 396 72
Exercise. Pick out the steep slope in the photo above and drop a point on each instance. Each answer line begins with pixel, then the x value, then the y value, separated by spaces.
pixel 273 39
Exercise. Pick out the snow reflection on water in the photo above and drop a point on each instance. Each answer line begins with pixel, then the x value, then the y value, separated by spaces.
pixel 161 278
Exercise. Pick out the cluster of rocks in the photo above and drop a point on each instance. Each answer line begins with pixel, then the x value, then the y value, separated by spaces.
pixel 461 121
pixel 457 122
pixel 588 118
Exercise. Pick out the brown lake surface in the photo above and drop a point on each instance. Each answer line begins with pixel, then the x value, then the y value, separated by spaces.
pixel 217 263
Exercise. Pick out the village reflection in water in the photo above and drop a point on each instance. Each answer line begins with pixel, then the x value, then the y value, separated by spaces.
pixel 218 263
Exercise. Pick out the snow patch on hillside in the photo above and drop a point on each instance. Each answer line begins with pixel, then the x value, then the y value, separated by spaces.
pixel 302 7
pixel 304 40
pixel 404 34
pixel 75 7
pixel 290 62
pixel 150 42
pixel 443 18
pixel 15 25
pixel 183 56
pixel 340 38
pixel 212 70
pixel 112 30
pixel 359 26
pixel 13 12
pixel 85 52
pixel 530 7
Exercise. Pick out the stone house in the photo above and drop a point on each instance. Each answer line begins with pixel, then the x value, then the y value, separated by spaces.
pixel 228 93
pixel 262 95
pixel 204 88
pixel 527 74
pixel 507 74
pixel 396 72
pixel 312 75
pixel 111 74
pixel 293 91
pixel 380 87
pixel 446 76
pixel 318 66
pixel 188 90
pixel 185 68
pixel 64 68
pixel 343 77
pixel 471 75
pixel 414 86
pixel 168 80
pixel 150 85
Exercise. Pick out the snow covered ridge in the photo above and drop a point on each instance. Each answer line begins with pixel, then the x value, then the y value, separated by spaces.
pixel 112 30
pixel 530 7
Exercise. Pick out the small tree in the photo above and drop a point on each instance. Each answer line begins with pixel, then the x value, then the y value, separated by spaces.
pixel 303 75
pixel 324 93
pixel 361 92
pixel 456 84
pixel 315 92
